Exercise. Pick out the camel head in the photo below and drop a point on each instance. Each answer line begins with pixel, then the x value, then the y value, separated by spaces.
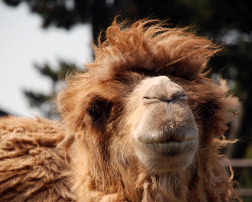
pixel 143 123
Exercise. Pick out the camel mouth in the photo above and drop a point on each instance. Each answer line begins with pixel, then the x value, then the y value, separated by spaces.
pixel 172 148
pixel 150 139
pixel 169 144
pixel 169 136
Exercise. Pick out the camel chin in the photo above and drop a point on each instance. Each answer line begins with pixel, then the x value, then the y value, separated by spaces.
pixel 166 135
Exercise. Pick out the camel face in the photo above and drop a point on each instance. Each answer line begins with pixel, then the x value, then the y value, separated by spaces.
pixel 165 133
pixel 144 123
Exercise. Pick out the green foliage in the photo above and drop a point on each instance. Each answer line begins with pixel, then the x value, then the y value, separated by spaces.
pixel 40 100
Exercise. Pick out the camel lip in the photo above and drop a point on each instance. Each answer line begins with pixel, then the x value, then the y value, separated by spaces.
pixel 167 138
pixel 172 148
pixel 164 140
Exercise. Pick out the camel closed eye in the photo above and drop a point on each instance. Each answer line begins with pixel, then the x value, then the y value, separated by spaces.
pixel 95 113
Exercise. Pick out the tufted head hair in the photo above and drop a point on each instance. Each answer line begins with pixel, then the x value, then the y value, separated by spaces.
pixel 150 45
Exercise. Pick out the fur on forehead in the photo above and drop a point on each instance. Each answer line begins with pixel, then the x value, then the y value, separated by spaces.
pixel 151 45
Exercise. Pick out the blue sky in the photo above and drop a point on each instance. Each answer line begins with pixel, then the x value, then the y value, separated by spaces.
pixel 22 43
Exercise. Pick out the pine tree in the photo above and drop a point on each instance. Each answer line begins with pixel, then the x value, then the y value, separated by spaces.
pixel 42 101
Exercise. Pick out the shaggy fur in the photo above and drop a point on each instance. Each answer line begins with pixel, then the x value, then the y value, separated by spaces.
pixel 100 110
pixel 31 168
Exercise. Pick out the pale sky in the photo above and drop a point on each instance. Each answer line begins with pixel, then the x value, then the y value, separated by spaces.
pixel 22 43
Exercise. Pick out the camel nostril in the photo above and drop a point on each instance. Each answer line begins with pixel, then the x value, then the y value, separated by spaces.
pixel 175 97
pixel 147 100
pixel 162 89
pixel 180 95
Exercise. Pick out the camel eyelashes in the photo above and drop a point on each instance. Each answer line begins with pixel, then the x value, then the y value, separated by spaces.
pixel 211 110
pixel 95 113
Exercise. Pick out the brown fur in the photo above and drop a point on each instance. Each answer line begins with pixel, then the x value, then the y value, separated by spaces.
pixel 101 153
pixel 31 169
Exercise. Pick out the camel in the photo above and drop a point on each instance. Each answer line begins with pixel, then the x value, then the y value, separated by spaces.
pixel 144 123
